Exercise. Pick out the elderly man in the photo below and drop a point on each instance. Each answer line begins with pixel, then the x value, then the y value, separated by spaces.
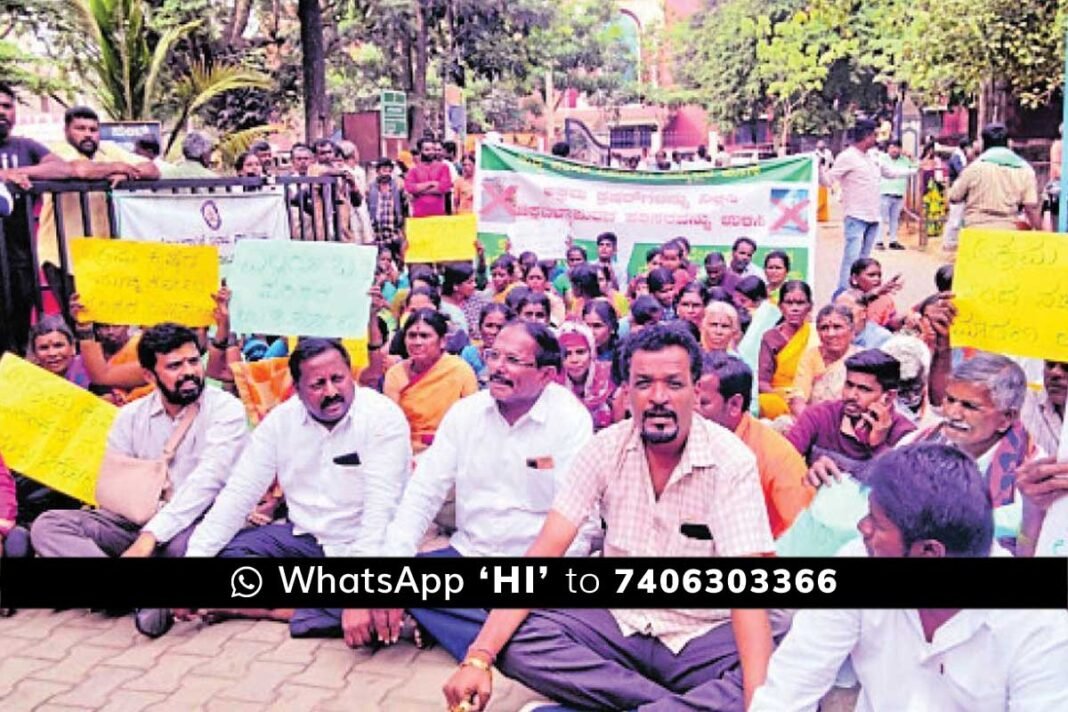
pixel 668 484
pixel 997 186
pixel 197 148
pixel 842 436
pixel 503 492
pixel 341 454
pixel 1043 412
pixel 927 501
pixel 981 416
pixel 724 394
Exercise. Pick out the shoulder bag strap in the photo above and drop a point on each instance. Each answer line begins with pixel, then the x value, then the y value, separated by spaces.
pixel 179 433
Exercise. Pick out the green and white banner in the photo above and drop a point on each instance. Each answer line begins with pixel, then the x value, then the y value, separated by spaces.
pixel 522 193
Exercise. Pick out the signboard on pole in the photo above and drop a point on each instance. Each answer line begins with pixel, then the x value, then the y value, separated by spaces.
pixel 126 133
pixel 394 110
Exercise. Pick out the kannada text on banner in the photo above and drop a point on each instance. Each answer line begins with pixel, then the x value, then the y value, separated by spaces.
pixel 1011 293
pixel 138 283
pixel 51 430
pixel 447 238
pixel 773 202
pixel 301 288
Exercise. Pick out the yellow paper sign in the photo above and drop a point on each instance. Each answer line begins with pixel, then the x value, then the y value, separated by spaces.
pixel 1011 293
pixel 447 238
pixel 51 430
pixel 145 283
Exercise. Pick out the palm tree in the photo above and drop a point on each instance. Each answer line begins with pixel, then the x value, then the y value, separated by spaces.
pixel 128 66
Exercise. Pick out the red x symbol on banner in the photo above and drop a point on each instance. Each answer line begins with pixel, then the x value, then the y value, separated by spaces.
pixel 497 196
pixel 791 214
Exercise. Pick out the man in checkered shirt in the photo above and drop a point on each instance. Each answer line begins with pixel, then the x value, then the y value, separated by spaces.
pixel 668 484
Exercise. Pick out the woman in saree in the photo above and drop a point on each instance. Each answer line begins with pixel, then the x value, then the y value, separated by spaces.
pixel 603 321
pixel 428 381
pixel 720 329
pixel 52 348
pixel 589 379
pixel 820 375
pixel 781 349
pixel 536 278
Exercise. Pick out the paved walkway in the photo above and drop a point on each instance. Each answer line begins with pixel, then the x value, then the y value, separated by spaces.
pixel 74 660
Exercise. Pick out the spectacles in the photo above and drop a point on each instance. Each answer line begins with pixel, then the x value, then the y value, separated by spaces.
pixel 493 355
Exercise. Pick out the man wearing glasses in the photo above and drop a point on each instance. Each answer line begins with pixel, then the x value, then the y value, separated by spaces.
pixel 505 450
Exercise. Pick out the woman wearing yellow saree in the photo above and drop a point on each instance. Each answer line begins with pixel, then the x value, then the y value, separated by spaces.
pixel 782 347
pixel 821 371
pixel 428 381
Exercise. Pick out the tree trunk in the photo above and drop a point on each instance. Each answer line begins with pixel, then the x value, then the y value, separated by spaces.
pixel 239 17
pixel 418 98
pixel 316 111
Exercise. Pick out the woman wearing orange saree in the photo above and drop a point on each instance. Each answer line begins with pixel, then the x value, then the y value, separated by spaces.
pixel 428 381
pixel 782 347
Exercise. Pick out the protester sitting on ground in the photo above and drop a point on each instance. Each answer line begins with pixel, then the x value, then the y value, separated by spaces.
pixel 662 288
pixel 358 434
pixel 492 319
pixel 536 277
pixel 671 259
pixel 428 381
pixel 820 373
pixel 781 349
pixel 690 302
pixel 720 330
pixel 915 360
pixel 599 315
pixel 639 287
pixel 645 311
pixel 616 298
pixel 585 376
pixel 460 300
pixel 607 256
pixel 699 474
pixel 534 306
pixel 926 501
pixel 717 274
pixel 502 278
pixel 52 348
pixel 749 294
pixel 503 492
pixel 776 272
pixel 1043 412
pixel 866 333
pixel 742 252
pixel 573 257
pixel 866 276
pixel 247 165
pixel 981 412
pixel 841 437
pixel 205 429
pixel 723 396
pixel 585 287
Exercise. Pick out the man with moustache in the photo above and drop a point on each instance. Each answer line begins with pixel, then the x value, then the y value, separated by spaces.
pixel 429 181
pixel 1043 412
pixel 22 160
pixel 90 159
pixel 341 454
pixel 927 501
pixel 172 362
pixel 503 492
pixel 667 484
pixel 842 436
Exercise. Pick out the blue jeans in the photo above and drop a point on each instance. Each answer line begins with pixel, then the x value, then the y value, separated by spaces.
pixel 890 209
pixel 859 237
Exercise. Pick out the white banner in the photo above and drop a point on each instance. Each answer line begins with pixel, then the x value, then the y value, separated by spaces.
pixel 219 219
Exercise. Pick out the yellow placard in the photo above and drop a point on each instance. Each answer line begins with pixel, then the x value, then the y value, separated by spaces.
pixel 51 430
pixel 145 283
pixel 1011 293
pixel 447 238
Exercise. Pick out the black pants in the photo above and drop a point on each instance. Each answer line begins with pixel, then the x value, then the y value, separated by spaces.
pixel 15 318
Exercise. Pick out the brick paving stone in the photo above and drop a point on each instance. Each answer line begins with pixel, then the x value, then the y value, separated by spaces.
pixel 97 687
pixel 232 659
pixel 28 694
pixel 52 707
pixel 131 701
pixel 329 668
pixel 58 644
pixel 73 668
pixel 299 698
pixel 259 684
pixel 121 635
pixel 166 675
pixel 233 706
pixel 363 692
pixel 36 624
pixel 208 640
pixel 97 621
pixel 265 632
pixel 194 693
pixel 13 645
pixel 393 660
pixel 293 650
pixel 14 669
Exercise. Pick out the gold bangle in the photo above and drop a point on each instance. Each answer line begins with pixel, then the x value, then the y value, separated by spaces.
pixel 477 663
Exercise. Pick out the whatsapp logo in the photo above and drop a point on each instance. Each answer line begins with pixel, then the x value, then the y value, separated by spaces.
pixel 245 582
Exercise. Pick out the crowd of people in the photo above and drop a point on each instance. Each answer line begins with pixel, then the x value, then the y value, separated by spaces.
pixel 532 407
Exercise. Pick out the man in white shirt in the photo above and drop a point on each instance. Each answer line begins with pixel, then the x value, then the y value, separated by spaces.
pixel 860 174
pixel 926 501
pixel 341 455
pixel 505 450
pixel 171 359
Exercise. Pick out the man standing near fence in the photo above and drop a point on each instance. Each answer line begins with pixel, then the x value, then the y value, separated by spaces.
pixel 90 159
pixel 22 160
pixel 892 194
